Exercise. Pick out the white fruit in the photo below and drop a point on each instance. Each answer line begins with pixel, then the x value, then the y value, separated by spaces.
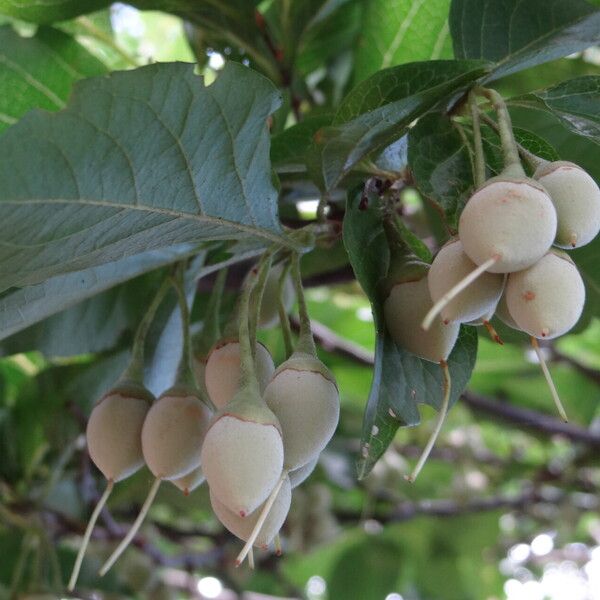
pixel 576 198
pixel 547 299
pixel 114 435
pixel 405 309
pixel 242 527
pixel 511 220
pixel 242 461
pixel 188 483
pixel 504 315
pixel 299 476
pixel 173 434
pixel 222 371
pixel 305 399
pixel 450 266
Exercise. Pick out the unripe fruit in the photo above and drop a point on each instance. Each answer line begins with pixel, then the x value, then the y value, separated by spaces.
pixel 114 431
pixel 404 309
pixel 269 308
pixel 299 476
pixel 452 265
pixel 509 222
pixel 503 313
pixel 305 399
pixel 173 433
pixel 188 483
pixel 547 299
pixel 576 198
pixel 242 527
pixel 222 372
pixel 242 454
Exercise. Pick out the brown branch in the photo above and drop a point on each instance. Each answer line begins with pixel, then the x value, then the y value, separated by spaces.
pixel 591 374
pixel 332 342
pixel 530 420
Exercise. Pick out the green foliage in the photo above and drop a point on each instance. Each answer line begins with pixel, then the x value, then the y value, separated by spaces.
pixel 517 35
pixel 402 31
pixel 38 72
pixel 152 190
pixel 380 109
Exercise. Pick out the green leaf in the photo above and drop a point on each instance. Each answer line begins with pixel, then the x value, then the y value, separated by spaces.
pixel 39 71
pixel 400 380
pixel 367 570
pixel 291 149
pixel 402 31
pixel 77 304
pixel 49 11
pixel 23 307
pixel 139 160
pixel 574 102
pixel 517 35
pixel 379 110
pixel 332 33
pixel 441 164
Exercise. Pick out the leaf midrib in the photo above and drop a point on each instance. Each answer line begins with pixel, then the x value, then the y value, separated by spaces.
pixel 200 218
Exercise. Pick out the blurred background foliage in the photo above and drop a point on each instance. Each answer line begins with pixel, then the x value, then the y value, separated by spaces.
pixel 508 505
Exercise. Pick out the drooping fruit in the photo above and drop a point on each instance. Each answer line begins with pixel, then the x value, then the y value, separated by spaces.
pixel 222 370
pixel 305 399
pixel 173 433
pixel 188 483
pixel 242 454
pixel 547 299
pixel 300 475
pixel 242 527
pixel 114 431
pixel 576 198
pixel 503 313
pixel 450 266
pixel 508 224
pixel 405 308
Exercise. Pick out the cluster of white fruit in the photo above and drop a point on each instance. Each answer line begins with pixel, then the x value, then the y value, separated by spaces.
pixel 502 261
pixel 251 431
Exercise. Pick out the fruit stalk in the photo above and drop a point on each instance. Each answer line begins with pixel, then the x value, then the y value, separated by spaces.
pixel 512 163
pixel 306 343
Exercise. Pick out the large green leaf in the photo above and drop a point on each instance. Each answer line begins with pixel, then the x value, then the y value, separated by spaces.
pixel 401 31
pixel 331 33
pixel 576 102
pixel 400 380
pixel 139 160
pixel 39 71
pixel 517 35
pixel 21 308
pixel 380 109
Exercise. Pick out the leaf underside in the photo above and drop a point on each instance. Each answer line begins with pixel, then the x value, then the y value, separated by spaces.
pixel 138 160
